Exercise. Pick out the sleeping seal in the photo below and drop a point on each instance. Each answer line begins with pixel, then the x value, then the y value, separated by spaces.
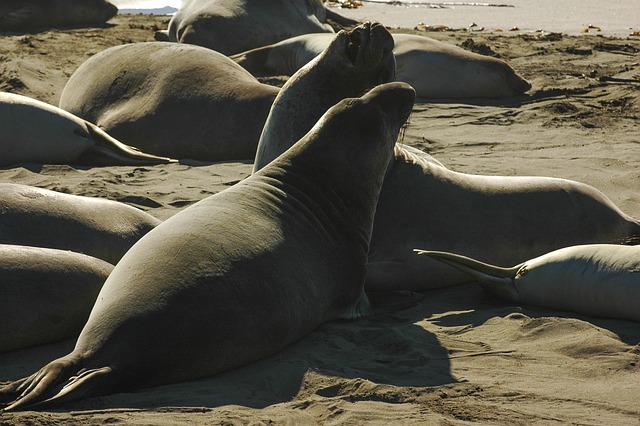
pixel 502 220
pixel 36 132
pixel 105 229
pixel 233 26
pixel 174 100
pixel 25 15
pixel 602 280
pixel 45 294
pixel 433 68
pixel 243 273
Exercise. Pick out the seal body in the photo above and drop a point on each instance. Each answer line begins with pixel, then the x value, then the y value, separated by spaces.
pixel 173 100
pixel 100 228
pixel 25 15
pixel 601 280
pixel 502 220
pixel 243 273
pixel 433 68
pixel 233 26
pixel 36 132
pixel 45 294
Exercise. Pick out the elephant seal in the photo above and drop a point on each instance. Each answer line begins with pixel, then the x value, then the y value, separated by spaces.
pixel 173 100
pixel 233 26
pixel 502 220
pixel 36 132
pixel 46 295
pixel 364 56
pixel 243 273
pixel 434 69
pixel 601 280
pixel 97 227
pixel 25 15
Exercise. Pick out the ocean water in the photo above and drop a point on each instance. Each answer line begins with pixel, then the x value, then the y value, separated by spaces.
pixel 611 17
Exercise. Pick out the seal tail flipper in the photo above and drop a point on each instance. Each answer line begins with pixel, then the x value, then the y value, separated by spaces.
pixel 110 151
pixel 494 279
pixel 55 384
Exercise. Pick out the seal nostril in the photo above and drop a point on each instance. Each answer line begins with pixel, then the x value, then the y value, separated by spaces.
pixel 355 41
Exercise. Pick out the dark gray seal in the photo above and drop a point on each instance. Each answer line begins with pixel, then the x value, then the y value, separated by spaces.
pixel 499 219
pixel 243 273
pixel 46 295
pixel 36 132
pixel 433 68
pixel 233 26
pixel 173 100
pixel 105 229
pixel 26 15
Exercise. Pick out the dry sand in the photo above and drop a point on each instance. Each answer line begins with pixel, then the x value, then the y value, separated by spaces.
pixel 457 355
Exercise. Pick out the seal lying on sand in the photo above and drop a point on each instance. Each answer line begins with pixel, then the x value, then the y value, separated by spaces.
pixel 503 220
pixel 36 132
pixel 24 15
pixel 243 273
pixel 233 26
pixel 45 294
pixel 169 99
pixel 434 69
pixel 602 280
pixel 39 217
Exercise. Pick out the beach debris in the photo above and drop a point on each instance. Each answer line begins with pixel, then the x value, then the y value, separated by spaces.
pixel 474 27
pixel 574 50
pixel 622 49
pixel 542 35
pixel 591 27
pixel 345 4
pixel 480 48
pixel 432 28
pixel 635 34
pixel 437 5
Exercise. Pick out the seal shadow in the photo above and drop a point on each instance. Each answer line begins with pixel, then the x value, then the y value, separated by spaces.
pixel 627 331
pixel 385 348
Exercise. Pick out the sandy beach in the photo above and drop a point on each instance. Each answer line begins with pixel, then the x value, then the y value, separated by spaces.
pixel 454 356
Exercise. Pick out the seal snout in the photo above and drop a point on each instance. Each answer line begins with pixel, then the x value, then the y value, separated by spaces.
pixel 396 99
pixel 357 39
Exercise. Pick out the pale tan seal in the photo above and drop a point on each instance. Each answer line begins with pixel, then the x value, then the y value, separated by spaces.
pixel 499 219
pixel 36 132
pixel 233 26
pixel 602 280
pixel 173 100
pixel 105 229
pixel 46 295
pixel 243 273
pixel 433 68
pixel 26 15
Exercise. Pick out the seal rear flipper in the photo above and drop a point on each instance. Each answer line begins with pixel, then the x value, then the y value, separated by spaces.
pixel 254 61
pixel 493 279
pixel 342 21
pixel 56 384
pixel 161 35
pixel 109 151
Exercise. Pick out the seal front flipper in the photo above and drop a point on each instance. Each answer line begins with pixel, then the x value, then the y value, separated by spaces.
pixel 109 151
pixel 493 279
pixel 57 383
